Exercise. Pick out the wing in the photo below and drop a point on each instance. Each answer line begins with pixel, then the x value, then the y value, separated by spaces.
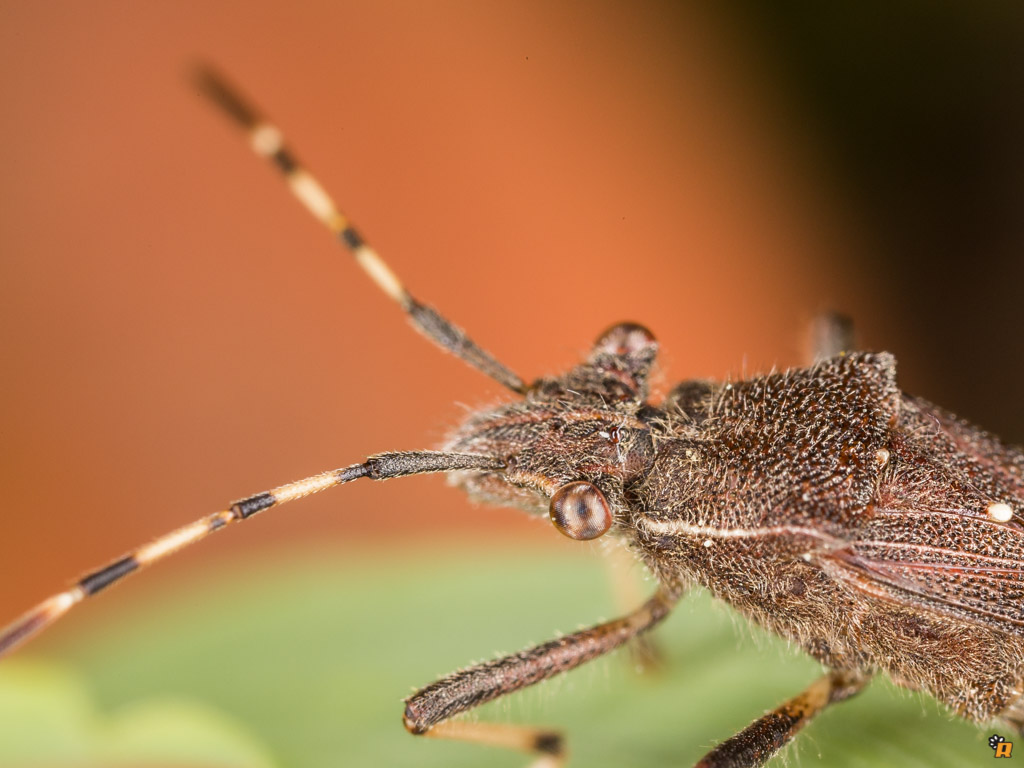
pixel 932 538
pixel 950 563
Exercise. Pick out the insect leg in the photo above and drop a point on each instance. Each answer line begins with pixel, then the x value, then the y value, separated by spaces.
pixel 548 745
pixel 380 467
pixel 266 141
pixel 621 566
pixel 427 711
pixel 831 335
pixel 756 743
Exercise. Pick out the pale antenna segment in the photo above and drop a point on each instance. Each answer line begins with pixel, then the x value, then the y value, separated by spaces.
pixel 268 142
pixel 379 467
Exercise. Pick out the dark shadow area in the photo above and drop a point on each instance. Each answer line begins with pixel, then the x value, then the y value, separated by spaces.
pixel 920 114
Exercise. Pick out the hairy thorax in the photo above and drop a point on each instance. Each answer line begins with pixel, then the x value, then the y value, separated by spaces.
pixel 859 523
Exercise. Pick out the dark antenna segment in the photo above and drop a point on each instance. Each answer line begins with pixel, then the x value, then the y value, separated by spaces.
pixel 268 142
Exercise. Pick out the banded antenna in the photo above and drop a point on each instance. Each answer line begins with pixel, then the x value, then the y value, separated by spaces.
pixel 268 142
pixel 380 467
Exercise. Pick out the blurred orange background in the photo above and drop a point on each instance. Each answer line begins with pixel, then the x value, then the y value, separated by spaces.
pixel 176 332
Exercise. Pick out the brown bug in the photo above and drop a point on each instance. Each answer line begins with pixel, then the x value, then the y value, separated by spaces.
pixel 875 530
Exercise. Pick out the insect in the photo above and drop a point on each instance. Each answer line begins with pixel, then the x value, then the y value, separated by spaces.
pixel 873 529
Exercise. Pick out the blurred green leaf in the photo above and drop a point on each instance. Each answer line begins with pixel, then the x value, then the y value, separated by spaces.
pixel 48 719
pixel 315 653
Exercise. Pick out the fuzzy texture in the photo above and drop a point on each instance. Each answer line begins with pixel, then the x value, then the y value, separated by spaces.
pixel 820 502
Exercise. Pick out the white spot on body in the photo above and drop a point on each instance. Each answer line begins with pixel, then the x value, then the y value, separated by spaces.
pixel 882 457
pixel 1000 512
pixel 708 543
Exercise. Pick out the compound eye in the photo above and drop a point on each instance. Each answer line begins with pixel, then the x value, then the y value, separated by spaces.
pixel 580 511
pixel 625 340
